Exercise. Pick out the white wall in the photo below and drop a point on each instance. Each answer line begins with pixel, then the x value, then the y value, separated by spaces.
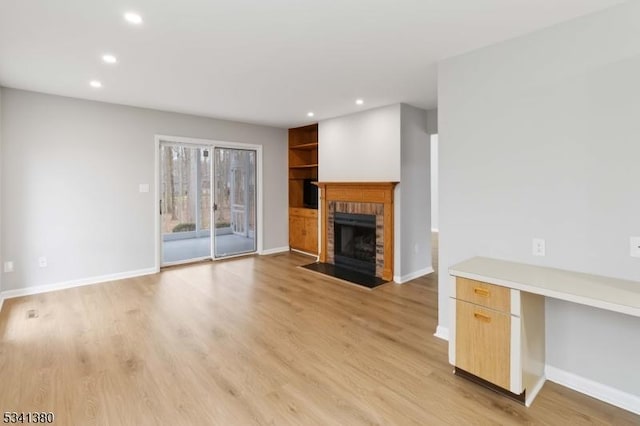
pixel 539 138
pixel 434 183
pixel 432 121
pixel 360 147
pixel 432 129
pixel 70 175
pixel 1 258
pixel 413 218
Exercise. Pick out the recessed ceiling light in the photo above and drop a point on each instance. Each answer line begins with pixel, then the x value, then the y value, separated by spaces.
pixel 109 59
pixel 310 114
pixel 95 84
pixel 133 18
pixel 359 101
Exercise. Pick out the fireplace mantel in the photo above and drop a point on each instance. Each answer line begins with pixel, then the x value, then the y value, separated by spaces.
pixel 360 192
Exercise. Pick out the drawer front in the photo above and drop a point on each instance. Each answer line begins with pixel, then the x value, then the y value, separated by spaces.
pixel 483 343
pixel 295 211
pixel 484 294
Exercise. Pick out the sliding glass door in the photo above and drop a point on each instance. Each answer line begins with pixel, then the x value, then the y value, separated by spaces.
pixel 185 203
pixel 205 188
pixel 234 201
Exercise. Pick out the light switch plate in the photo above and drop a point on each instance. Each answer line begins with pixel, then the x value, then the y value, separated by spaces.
pixel 144 187
pixel 8 266
pixel 634 246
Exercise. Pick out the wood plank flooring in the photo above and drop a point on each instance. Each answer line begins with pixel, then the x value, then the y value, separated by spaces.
pixel 247 341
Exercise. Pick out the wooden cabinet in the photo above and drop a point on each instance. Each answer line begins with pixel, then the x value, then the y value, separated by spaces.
pixel 303 169
pixel 483 343
pixel 303 229
pixel 498 337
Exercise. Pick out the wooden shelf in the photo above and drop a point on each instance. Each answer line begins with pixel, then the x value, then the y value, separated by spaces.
pixel 304 166
pixel 306 146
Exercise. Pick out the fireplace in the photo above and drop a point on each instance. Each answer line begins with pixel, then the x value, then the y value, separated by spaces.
pixel 357 227
pixel 355 242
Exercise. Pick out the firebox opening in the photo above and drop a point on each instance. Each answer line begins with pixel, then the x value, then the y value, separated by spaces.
pixel 355 242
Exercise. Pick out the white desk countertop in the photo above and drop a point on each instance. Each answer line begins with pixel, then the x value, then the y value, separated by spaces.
pixel 612 294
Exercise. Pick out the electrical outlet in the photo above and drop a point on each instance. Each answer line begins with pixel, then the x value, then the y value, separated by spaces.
pixel 634 246
pixel 8 266
pixel 143 187
pixel 538 248
pixel 42 262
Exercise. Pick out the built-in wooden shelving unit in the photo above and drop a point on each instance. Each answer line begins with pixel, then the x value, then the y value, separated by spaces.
pixel 303 167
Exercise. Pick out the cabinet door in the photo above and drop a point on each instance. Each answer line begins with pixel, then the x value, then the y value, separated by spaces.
pixel 311 234
pixel 483 341
pixel 297 232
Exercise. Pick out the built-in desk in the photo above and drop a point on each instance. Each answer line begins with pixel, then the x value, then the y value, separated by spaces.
pixel 498 322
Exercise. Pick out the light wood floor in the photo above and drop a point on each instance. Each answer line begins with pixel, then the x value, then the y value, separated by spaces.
pixel 251 341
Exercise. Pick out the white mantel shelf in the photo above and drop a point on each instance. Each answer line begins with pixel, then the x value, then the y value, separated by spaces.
pixel 612 294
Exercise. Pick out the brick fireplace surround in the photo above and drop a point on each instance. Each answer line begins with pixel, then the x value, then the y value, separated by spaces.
pixel 374 198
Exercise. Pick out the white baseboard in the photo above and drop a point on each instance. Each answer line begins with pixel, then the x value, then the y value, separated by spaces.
pixel 1 301
pixel 274 250
pixel 401 279
pixel 596 390
pixel 442 333
pixel 27 291
pixel 434 230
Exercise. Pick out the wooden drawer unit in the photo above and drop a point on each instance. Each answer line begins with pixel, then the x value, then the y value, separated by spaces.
pixel 498 337
pixel 483 343
pixel 509 297
pixel 484 294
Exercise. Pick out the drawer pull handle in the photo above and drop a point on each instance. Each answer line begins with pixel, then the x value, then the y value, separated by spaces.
pixel 481 291
pixel 482 317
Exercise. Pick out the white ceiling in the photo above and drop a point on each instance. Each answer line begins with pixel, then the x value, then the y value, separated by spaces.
pixel 261 61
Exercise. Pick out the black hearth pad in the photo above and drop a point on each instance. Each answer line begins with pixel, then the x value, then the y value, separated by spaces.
pixel 354 277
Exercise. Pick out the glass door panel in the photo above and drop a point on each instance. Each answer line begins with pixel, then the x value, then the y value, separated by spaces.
pixel 234 201
pixel 185 176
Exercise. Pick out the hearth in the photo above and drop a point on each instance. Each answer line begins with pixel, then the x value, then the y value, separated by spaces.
pixel 355 242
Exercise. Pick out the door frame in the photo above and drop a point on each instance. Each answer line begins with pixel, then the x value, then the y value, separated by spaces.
pixel 210 144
